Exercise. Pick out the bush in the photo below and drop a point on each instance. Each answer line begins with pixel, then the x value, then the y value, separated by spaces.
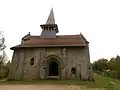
pixel 3 72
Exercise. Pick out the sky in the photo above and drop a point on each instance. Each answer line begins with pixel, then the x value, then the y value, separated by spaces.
pixel 97 20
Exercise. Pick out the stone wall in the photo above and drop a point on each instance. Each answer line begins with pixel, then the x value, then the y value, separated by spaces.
pixel 77 57
pixel 14 65
pixel 31 71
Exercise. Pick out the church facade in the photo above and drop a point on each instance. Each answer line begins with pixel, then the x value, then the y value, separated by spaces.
pixel 51 56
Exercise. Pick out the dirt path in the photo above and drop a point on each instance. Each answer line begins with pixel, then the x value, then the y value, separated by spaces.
pixel 39 87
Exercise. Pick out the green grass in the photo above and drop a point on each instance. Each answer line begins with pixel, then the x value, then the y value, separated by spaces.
pixel 100 82
pixel 103 82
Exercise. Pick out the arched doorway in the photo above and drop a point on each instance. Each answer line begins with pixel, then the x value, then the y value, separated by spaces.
pixel 53 69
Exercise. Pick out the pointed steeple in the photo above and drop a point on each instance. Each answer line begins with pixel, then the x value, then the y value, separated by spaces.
pixel 50 28
pixel 51 19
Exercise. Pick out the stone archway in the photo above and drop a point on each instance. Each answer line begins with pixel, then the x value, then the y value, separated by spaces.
pixel 52 66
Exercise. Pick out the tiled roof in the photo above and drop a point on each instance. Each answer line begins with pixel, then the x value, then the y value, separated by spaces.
pixel 59 41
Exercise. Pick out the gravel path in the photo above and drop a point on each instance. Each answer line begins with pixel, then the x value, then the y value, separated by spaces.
pixel 39 87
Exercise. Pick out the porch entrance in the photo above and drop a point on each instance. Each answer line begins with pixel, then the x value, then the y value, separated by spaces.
pixel 53 69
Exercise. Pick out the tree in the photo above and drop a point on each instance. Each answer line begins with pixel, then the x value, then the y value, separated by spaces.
pixel 109 68
pixel 2 49
pixel 100 65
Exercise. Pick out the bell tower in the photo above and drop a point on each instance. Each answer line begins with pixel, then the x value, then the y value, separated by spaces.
pixel 49 29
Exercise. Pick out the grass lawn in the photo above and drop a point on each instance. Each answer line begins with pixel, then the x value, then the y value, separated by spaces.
pixel 100 82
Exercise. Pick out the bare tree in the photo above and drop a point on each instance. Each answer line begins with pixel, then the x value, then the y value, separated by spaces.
pixel 2 49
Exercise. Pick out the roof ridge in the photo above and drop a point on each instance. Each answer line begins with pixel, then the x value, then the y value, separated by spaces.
pixel 57 35
pixel 70 35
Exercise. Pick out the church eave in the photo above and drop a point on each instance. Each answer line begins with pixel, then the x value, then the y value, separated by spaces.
pixel 44 46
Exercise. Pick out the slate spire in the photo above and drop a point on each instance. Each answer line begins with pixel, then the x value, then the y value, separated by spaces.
pixel 50 28
pixel 51 19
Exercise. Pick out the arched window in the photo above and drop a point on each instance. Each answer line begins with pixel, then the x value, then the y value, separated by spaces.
pixel 32 61
pixel 73 70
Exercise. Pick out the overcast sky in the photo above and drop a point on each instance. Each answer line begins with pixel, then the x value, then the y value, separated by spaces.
pixel 98 20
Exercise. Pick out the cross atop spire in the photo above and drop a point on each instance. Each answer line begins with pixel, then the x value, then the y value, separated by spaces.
pixel 51 19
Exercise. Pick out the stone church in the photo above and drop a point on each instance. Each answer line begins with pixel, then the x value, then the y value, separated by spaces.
pixel 51 56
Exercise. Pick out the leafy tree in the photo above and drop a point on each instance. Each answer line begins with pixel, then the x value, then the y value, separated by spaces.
pixel 100 65
pixel 109 68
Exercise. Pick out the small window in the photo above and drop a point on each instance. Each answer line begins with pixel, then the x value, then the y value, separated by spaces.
pixel 73 70
pixel 32 61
